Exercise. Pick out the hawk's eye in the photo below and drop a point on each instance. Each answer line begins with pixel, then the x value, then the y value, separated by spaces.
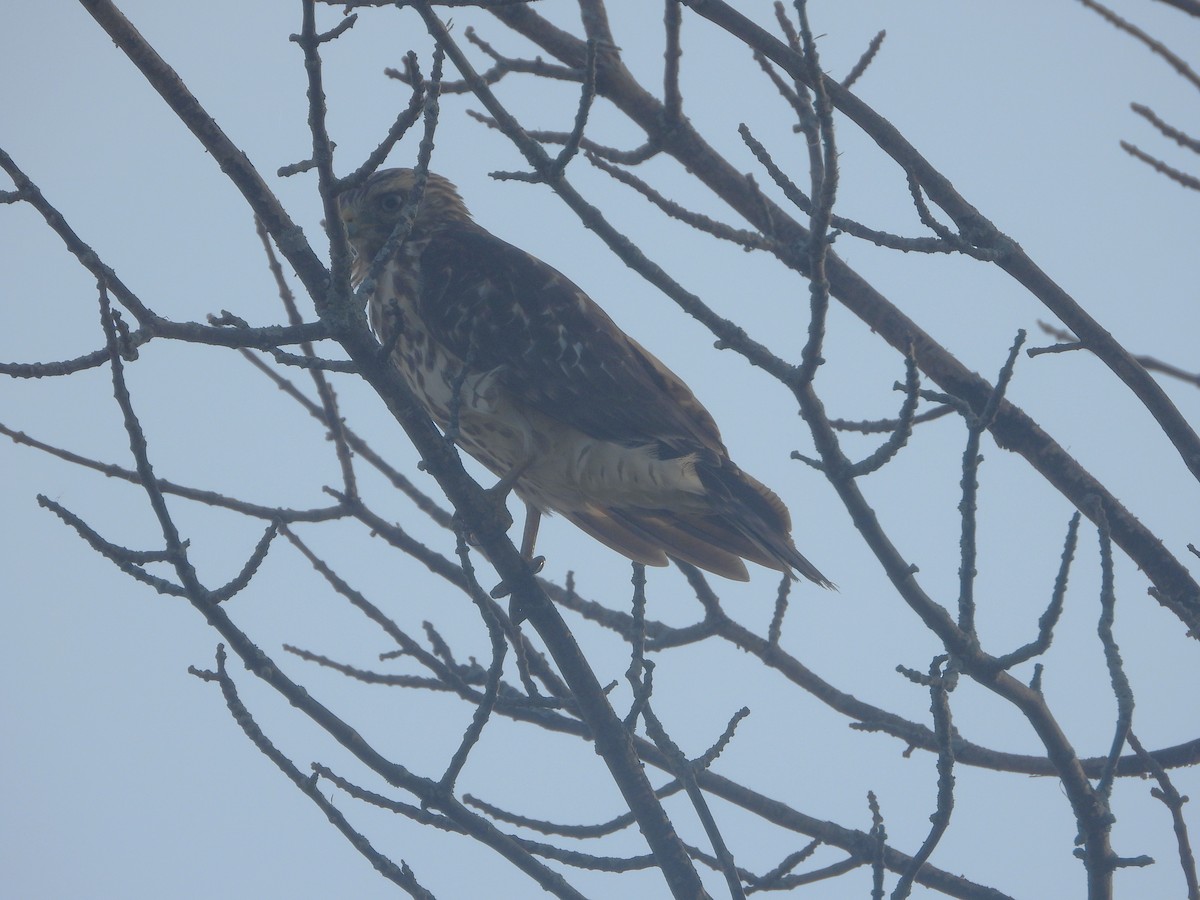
pixel 391 203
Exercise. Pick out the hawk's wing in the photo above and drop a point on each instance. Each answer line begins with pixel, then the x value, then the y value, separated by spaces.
pixel 498 307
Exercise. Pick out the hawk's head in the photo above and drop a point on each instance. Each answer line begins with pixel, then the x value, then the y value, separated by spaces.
pixel 372 211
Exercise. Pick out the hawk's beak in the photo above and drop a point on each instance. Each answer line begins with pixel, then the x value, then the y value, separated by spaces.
pixel 351 225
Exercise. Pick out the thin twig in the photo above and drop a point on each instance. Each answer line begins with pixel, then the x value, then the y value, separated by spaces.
pixel 1174 801
pixel 863 61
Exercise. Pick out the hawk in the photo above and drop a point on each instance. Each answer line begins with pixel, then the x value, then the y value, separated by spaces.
pixel 535 381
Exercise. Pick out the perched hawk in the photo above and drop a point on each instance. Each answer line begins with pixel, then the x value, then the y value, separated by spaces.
pixel 550 395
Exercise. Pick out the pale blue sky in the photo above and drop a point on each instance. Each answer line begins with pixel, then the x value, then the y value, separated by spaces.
pixel 127 777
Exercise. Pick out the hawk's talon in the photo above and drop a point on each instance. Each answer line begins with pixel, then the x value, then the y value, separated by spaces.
pixel 498 499
pixel 502 590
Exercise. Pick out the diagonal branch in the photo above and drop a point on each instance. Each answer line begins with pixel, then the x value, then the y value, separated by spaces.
pixel 974 225
pixel 1012 428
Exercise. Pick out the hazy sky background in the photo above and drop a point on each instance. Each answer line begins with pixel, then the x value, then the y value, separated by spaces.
pixel 127 778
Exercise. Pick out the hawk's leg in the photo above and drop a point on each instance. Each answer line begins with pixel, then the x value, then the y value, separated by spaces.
pixel 497 494
pixel 502 488
pixel 533 518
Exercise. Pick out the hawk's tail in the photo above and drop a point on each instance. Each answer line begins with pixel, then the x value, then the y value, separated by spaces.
pixel 745 521
pixel 747 509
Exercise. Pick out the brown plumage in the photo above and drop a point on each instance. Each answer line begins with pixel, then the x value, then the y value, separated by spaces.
pixel 544 389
